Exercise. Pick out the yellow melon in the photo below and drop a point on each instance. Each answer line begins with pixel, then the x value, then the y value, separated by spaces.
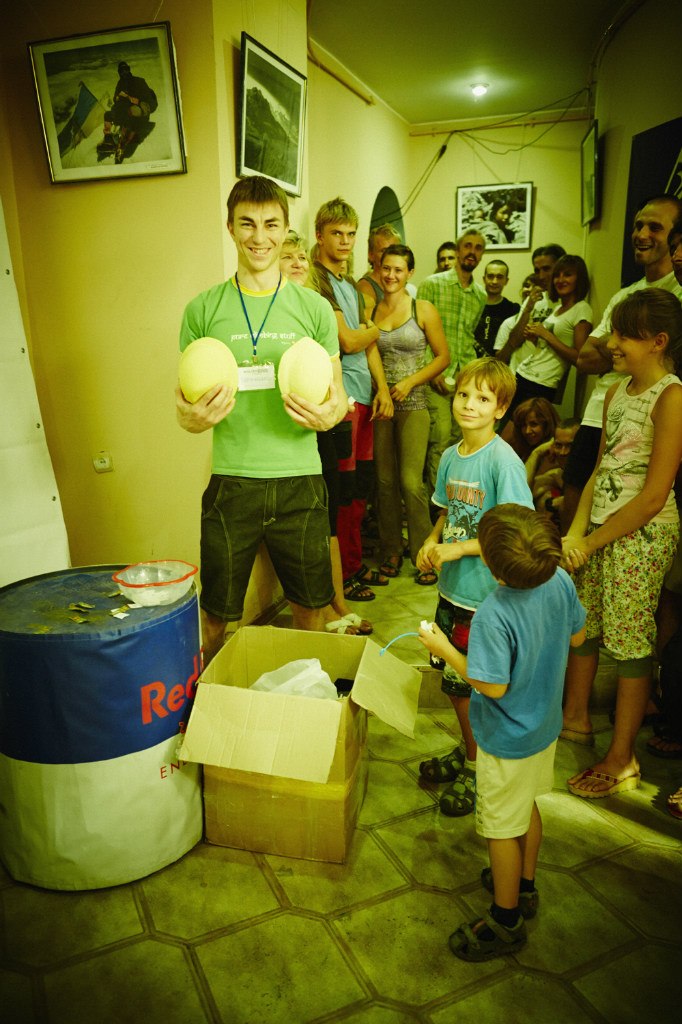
pixel 203 364
pixel 305 369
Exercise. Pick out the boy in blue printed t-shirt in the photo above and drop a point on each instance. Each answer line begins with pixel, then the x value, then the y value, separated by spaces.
pixel 473 476
pixel 518 649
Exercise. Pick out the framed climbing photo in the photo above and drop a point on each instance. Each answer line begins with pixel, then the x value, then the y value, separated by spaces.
pixel 272 119
pixel 109 104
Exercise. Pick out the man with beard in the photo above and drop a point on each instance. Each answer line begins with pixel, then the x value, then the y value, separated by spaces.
pixel 460 302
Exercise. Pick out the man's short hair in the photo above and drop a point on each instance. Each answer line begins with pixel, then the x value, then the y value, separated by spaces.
pixel 665 197
pixel 520 546
pixel 446 245
pixel 383 231
pixel 493 373
pixel 259 190
pixel 465 234
pixel 336 211
pixel 500 262
pixel 549 250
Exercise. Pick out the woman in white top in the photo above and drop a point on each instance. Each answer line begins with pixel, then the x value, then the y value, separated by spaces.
pixel 559 338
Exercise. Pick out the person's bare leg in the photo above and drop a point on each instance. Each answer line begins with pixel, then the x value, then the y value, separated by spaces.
pixel 307 618
pixel 505 862
pixel 461 706
pixel 212 635
pixel 530 845
pixel 620 760
pixel 580 675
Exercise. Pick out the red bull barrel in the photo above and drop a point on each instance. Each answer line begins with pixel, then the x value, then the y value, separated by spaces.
pixel 94 697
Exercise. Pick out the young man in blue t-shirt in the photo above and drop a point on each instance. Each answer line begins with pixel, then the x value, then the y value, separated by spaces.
pixel 518 649
pixel 474 475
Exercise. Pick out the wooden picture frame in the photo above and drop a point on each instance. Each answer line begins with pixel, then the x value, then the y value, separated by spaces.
pixel 272 121
pixel 589 175
pixel 80 90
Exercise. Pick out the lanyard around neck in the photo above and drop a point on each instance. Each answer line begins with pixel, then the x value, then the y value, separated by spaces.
pixel 254 338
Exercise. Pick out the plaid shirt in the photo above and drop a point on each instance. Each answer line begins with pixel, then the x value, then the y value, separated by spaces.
pixel 460 310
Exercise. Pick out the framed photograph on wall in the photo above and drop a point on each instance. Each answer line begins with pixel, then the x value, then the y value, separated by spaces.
pixel 502 213
pixel 272 117
pixel 109 104
pixel 589 175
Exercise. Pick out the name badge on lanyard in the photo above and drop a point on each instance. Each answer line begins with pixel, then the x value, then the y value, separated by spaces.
pixel 255 375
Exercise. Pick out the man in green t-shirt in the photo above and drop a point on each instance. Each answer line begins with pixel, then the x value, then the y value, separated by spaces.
pixel 266 482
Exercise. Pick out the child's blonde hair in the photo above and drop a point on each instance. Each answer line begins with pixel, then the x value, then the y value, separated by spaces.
pixel 492 372
pixel 520 546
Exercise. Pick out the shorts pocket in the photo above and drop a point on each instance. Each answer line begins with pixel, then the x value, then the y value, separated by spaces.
pixel 211 496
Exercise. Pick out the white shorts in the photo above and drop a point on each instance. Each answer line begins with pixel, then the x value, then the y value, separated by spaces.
pixel 506 790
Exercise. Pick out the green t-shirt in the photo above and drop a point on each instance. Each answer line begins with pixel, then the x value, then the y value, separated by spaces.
pixel 258 438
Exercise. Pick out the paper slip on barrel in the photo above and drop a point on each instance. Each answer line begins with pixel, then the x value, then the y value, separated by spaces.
pixel 92 708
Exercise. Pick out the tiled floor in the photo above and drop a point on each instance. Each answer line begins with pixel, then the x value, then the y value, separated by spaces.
pixel 241 938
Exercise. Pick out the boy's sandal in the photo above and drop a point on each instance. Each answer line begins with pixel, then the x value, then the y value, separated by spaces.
pixel 528 901
pixel 391 566
pixel 354 590
pixel 426 578
pixel 467 944
pixel 458 799
pixel 443 769
pixel 371 576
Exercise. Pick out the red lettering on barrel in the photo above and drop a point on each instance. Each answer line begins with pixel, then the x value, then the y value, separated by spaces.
pixel 190 688
pixel 152 695
pixel 176 698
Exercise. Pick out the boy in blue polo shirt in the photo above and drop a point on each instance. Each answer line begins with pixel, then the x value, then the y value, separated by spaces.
pixel 518 649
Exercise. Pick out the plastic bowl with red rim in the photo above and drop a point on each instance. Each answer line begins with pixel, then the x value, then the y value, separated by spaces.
pixel 153 583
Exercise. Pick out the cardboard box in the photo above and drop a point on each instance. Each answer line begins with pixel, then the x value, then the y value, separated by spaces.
pixel 285 774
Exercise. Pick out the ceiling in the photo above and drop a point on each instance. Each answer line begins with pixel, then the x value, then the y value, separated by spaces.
pixel 421 59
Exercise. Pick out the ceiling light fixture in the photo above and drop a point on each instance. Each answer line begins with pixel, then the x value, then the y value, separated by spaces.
pixel 480 89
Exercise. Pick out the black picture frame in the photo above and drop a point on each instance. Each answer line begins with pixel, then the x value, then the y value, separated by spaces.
pixel 77 83
pixel 589 175
pixel 272 117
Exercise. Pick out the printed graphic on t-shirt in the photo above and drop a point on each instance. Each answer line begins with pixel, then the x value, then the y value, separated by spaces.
pixel 465 507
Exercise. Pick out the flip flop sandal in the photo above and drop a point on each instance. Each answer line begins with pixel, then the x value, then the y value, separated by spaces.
pixel 354 590
pixel 583 739
pixel 391 566
pixel 443 769
pixel 363 627
pixel 426 578
pixel 467 944
pixel 528 901
pixel 675 804
pixel 371 577
pixel 669 755
pixel 614 786
pixel 459 798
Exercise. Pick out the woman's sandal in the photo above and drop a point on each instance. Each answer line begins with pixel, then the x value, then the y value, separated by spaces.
pixel 341 626
pixel 443 769
pixel 671 752
pixel 467 944
pixel 458 799
pixel 354 590
pixel 371 577
pixel 426 578
pixel 391 566
pixel 363 626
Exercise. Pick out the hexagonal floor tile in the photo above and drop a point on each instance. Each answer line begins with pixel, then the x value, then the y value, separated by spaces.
pixel 437 850
pixel 48 927
pixel 391 792
pixel 261 973
pixel 148 981
pixel 17 998
pixel 642 986
pixel 210 888
pixel 402 945
pixel 376 1014
pixel 517 1000
pixel 575 832
pixel 331 887
pixel 387 744
pixel 644 885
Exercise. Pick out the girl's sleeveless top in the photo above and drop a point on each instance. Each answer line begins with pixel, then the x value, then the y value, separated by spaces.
pixel 403 353
pixel 629 440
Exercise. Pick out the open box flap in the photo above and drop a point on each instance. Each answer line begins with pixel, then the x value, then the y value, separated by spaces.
pixel 388 687
pixel 269 733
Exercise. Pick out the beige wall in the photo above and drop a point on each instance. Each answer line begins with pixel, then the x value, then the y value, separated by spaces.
pixel 104 269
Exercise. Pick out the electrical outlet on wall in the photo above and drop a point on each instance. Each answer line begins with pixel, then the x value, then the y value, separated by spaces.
pixel 103 462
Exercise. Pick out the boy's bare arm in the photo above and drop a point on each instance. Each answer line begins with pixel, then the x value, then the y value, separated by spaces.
pixel 435 641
